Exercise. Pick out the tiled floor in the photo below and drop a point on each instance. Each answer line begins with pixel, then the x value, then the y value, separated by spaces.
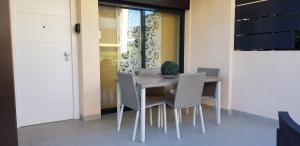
pixel 234 131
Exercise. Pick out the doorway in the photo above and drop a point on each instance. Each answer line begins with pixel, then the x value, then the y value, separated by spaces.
pixel 131 39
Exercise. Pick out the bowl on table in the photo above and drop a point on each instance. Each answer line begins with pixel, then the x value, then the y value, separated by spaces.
pixel 169 70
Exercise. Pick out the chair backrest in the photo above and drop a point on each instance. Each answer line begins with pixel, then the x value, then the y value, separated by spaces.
pixel 209 88
pixel 129 96
pixel 189 90
pixel 150 70
pixel 209 71
pixel 288 133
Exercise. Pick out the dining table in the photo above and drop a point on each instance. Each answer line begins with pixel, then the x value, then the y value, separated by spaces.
pixel 144 81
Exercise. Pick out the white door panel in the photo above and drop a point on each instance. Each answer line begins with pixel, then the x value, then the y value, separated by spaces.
pixel 42 67
pixel 44 76
pixel 45 82
pixel 52 7
pixel 46 55
pixel 42 28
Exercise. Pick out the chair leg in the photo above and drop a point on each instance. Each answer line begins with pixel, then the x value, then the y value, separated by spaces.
pixel 216 106
pixel 150 116
pixel 161 117
pixel 158 117
pixel 120 117
pixel 165 118
pixel 201 119
pixel 135 124
pixel 180 115
pixel 177 123
pixel 194 116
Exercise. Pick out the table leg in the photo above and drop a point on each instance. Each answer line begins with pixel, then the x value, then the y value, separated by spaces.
pixel 118 103
pixel 218 103
pixel 143 108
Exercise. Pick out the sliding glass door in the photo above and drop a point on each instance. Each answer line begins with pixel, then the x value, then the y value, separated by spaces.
pixel 120 48
pixel 132 39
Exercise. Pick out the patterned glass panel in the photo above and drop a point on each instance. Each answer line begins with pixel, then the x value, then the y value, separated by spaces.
pixel 161 38
pixel 153 39
pixel 130 49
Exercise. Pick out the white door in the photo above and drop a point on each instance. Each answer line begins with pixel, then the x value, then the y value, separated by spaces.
pixel 43 62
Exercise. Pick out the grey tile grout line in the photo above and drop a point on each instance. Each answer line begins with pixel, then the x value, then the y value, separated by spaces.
pixel 72 139
pixel 30 143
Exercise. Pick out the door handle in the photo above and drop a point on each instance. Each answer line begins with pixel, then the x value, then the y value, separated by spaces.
pixel 67 54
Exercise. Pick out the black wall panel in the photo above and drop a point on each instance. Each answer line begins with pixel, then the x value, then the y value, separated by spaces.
pixel 267 8
pixel 238 2
pixel 278 41
pixel 267 25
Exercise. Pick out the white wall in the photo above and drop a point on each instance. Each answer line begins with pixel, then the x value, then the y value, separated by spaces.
pixel 266 82
pixel 89 66
pixel 208 35
pixel 260 83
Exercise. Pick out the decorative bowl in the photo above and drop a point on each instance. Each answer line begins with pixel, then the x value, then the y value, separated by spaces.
pixel 169 76
pixel 169 68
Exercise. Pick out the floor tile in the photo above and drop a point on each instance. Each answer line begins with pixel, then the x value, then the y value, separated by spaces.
pixel 234 131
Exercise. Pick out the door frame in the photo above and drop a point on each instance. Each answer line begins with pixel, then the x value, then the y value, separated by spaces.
pixel 181 45
pixel 75 67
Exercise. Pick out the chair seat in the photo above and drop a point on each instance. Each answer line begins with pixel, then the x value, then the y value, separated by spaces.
pixel 173 92
pixel 171 102
pixel 154 101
